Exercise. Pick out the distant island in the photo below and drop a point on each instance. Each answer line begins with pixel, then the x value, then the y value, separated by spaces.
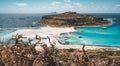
pixel 69 19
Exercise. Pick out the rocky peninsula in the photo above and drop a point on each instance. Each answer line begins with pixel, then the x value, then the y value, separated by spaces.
pixel 69 19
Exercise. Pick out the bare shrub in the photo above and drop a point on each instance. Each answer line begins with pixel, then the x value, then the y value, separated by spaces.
pixel 25 54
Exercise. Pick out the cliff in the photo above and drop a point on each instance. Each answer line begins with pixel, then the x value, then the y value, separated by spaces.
pixel 72 19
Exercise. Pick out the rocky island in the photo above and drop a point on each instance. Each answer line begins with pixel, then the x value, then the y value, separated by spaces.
pixel 68 19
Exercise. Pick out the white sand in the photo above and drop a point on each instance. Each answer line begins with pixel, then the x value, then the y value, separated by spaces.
pixel 42 31
pixel 52 32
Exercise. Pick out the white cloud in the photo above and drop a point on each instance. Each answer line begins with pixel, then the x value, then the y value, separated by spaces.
pixel 67 0
pixel 21 4
pixel 55 3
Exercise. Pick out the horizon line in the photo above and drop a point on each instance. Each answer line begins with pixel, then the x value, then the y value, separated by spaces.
pixel 57 12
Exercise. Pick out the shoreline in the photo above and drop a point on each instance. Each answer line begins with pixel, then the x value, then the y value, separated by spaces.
pixel 43 31
pixel 53 32
pixel 78 47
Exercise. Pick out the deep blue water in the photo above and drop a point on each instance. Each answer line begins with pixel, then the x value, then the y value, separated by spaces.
pixel 19 20
pixel 100 36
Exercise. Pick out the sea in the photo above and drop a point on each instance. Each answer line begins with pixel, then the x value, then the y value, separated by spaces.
pixel 90 35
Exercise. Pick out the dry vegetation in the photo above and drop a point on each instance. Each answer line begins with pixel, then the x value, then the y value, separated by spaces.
pixel 25 54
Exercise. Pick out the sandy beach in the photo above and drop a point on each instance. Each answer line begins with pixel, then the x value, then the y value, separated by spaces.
pixel 53 32
pixel 42 31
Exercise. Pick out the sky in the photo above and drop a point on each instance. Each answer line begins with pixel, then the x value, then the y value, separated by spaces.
pixel 48 6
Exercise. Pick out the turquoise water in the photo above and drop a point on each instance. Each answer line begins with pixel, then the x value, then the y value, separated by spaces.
pixel 97 36
pixel 3 33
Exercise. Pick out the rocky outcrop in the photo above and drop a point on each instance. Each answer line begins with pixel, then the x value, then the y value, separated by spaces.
pixel 72 19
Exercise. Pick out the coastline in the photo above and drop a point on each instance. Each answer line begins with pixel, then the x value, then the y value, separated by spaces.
pixel 78 47
pixel 43 31
pixel 53 32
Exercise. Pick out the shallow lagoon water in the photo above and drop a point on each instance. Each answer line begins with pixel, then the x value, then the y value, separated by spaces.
pixel 95 35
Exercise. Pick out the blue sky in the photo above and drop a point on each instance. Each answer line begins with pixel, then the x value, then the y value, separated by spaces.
pixel 47 6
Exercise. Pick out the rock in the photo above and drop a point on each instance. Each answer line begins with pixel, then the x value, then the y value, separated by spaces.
pixel 68 19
